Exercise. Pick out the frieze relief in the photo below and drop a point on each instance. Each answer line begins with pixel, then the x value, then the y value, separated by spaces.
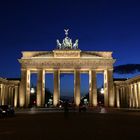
pixel 66 53
pixel 68 64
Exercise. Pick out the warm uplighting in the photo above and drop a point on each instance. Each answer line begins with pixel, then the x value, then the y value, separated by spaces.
pixel 94 101
pixel 77 100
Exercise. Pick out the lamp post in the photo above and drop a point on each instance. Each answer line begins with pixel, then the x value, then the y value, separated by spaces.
pixel 102 91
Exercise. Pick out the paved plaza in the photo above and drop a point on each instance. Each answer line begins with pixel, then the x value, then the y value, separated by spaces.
pixel 111 125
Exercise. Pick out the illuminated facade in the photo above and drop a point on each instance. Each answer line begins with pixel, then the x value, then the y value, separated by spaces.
pixel 127 92
pixel 67 58
pixel 9 91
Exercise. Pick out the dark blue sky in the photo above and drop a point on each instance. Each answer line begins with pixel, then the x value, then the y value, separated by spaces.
pixel 112 25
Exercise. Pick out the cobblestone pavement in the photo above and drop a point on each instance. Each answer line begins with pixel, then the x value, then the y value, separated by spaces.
pixel 111 124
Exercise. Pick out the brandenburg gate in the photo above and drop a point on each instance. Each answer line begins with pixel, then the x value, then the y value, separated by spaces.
pixel 66 58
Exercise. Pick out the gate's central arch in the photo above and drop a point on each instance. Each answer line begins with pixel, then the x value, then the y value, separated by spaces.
pixel 66 58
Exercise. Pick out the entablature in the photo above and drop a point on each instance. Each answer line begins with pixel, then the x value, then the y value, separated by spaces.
pixel 66 54
pixel 73 63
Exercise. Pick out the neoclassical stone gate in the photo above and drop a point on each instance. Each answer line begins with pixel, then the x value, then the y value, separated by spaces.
pixel 67 58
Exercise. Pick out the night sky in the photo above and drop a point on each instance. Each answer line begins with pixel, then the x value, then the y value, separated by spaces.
pixel 100 25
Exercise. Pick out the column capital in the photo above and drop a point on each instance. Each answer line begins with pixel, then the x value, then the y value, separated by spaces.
pixel 93 70
pixel 108 69
pixel 77 70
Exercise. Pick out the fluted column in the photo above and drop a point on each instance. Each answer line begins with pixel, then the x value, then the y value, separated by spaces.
pixel 6 95
pixel 108 88
pixel 92 88
pixel 77 87
pixel 24 95
pixel 22 88
pixel 138 96
pixel 12 96
pixel 135 94
pixel 28 88
pixel 41 88
pixel 127 95
pixel 138 88
pixel 130 97
pixel 3 93
pixel 123 96
pixel 16 96
pixel 9 91
pixel 132 92
pixel 1 90
pixel 56 95
pixel 117 97
pixel 121 101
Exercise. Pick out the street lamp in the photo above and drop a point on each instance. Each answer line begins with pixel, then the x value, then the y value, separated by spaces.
pixel 32 91
pixel 102 91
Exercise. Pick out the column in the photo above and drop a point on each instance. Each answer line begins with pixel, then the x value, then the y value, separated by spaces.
pixel 56 95
pixel 138 89
pixel 138 96
pixel 12 94
pixel 131 90
pixel 77 87
pixel 92 88
pixel 117 97
pixel 24 96
pixel 135 95
pixel 1 90
pixel 9 93
pixel 2 95
pixel 132 93
pixel 127 95
pixel 41 88
pixel 108 88
pixel 121 100
pixel 123 96
pixel 16 96
pixel 130 97
pixel 6 95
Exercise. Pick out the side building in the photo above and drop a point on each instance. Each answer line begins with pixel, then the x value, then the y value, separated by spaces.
pixel 9 91
pixel 127 92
